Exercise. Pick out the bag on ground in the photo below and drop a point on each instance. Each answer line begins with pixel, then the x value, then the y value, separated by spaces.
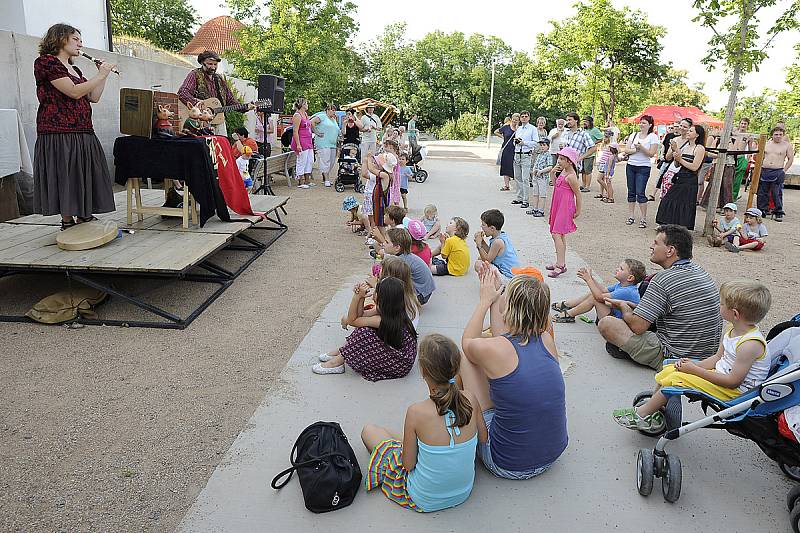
pixel 326 466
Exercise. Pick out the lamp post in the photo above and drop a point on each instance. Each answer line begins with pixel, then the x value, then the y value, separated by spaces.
pixel 491 102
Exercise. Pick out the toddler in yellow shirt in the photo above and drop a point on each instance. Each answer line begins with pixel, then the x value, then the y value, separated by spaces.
pixel 455 259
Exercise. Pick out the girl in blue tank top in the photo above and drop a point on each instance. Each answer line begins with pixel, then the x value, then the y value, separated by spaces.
pixel 499 251
pixel 433 468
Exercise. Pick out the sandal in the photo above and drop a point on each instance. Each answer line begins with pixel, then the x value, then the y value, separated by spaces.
pixel 643 223
pixel 505 188
pixel 630 419
pixel 67 224
pixel 564 318
pixel 630 221
pixel 81 220
pixel 560 306
pixel 557 271
pixel 599 196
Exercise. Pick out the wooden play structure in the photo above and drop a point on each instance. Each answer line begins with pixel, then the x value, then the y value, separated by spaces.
pixel 390 111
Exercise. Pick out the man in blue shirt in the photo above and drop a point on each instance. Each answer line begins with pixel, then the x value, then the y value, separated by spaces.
pixel 525 140
pixel 629 274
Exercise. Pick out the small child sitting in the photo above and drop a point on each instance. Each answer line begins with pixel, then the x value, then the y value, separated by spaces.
pixel 395 216
pixel 405 174
pixel 431 221
pixel 751 234
pixel 418 247
pixel 727 229
pixel 433 466
pixel 358 220
pixel 398 242
pixel 243 162
pixel 540 179
pixel 499 251
pixel 453 248
pixel 629 274
pixel 740 364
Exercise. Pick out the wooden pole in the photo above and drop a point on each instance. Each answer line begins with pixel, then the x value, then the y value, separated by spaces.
pixel 762 142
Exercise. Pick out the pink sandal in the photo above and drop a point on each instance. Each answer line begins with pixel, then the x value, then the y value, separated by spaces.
pixel 557 271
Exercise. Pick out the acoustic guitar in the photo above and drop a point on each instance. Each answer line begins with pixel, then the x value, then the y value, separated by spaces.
pixel 219 110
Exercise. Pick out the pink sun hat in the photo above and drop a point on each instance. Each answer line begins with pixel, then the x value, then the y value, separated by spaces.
pixel 416 228
pixel 570 153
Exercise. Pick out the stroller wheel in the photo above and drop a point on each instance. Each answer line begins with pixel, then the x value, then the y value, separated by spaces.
pixel 339 186
pixel 645 463
pixel 641 399
pixel 420 176
pixel 793 498
pixel 792 472
pixel 671 480
pixel 794 519
pixel 359 186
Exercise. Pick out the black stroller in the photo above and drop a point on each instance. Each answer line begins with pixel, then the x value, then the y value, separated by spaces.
pixel 349 172
pixel 417 155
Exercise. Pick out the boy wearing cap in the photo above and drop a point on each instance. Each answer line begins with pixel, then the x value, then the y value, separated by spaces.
pixel 540 178
pixel 751 234
pixel 726 229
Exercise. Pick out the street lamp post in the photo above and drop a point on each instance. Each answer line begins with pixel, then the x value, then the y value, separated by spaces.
pixel 491 102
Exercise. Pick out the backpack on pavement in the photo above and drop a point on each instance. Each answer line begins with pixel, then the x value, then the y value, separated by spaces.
pixel 327 467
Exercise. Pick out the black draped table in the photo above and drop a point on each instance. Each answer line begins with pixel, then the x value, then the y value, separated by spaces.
pixel 187 159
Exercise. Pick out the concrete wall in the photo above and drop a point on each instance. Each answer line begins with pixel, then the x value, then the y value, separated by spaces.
pixel 18 88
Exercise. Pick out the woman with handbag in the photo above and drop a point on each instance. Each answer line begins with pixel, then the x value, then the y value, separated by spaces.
pixel 506 155
pixel 679 197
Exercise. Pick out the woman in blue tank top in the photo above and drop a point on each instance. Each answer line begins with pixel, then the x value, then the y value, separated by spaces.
pixel 515 377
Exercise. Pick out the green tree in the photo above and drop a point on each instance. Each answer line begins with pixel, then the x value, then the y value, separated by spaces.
pixel 165 23
pixel 762 110
pixel 788 100
pixel 739 50
pixel 673 90
pixel 305 41
pixel 610 54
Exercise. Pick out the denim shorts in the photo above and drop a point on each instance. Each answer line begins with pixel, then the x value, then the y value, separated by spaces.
pixel 485 455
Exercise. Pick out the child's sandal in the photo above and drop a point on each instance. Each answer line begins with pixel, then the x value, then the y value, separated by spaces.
pixel 564 318
pixel 560 306
pixel 630 221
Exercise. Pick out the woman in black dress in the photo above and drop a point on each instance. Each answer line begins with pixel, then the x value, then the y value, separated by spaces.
pixel 679 204
pixel 507 131
pixel 352 128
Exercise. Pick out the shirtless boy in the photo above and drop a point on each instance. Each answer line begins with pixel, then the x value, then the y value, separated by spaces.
pixel 778 158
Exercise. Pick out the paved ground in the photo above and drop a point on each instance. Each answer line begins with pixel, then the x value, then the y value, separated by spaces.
pixel 729 485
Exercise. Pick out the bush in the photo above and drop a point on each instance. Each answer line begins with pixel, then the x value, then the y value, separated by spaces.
pixel 465 128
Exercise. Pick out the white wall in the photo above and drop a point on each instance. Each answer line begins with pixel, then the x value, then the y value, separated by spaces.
pixel 34 17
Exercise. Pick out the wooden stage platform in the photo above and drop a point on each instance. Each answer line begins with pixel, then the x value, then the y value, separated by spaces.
pixel 153 248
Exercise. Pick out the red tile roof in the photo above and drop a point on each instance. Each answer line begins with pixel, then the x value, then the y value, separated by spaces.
pixel 216 35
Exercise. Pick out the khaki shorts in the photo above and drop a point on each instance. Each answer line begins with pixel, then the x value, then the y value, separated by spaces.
pixel 645 349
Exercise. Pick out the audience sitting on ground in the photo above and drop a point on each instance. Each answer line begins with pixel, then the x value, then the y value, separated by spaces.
pixel 751 233
pixel 681 300
pixel 395 215
pixel 739 364
pixel 454 260
pixel 498 251
pixel 433 466
pixel 384 343
pixel 727 228
pixel 629 274
pixel 431 221
pixel 358 221
pixel 418 246
pixel 515 377
pixel 398 242
pixel 394 267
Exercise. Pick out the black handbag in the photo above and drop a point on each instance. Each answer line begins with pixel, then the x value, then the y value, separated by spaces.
pixel 327 467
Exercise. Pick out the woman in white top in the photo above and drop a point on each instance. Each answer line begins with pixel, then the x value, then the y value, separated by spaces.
pixel 640 148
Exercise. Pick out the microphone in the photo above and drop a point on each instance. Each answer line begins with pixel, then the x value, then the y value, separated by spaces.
pixel 96 61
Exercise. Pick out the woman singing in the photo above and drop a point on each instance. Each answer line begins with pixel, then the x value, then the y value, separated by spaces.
pixel 70 173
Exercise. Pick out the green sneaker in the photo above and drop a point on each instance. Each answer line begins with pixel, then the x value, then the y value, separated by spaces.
pixel 630 419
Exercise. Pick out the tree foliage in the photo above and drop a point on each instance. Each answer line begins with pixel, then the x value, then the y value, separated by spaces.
pixel 673 90
pixel 305 41
pixel 167 24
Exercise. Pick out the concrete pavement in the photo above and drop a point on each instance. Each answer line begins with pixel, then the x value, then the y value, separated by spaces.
pixel 728 484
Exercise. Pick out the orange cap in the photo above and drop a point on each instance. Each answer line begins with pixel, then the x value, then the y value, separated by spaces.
pixel 528 271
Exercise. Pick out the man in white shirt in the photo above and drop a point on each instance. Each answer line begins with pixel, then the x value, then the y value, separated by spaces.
pixel 525 140
pixel 556 140
pixel 370 126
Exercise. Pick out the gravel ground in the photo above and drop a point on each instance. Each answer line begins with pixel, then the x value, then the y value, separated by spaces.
pixel 116 429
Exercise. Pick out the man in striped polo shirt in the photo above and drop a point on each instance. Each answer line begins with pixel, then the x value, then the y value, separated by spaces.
pixel 681 300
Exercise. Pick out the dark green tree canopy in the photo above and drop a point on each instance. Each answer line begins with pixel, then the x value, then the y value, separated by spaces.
pixel 167 24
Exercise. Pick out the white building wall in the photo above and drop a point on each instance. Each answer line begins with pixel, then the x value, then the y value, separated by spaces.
pixel 34 17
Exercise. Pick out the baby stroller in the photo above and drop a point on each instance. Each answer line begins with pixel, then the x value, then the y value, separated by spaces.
pixel 349 172
pixel 754 415
pixel 418 153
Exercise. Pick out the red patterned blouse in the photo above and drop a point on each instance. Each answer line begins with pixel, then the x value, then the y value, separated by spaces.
pixel 58 113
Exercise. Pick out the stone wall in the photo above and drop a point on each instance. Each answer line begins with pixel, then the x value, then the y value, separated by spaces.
pixel 18 88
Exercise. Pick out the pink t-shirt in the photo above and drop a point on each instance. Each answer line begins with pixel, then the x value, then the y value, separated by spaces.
pixel 424 253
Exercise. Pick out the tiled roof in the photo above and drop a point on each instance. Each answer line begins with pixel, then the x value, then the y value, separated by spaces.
pixel 216 35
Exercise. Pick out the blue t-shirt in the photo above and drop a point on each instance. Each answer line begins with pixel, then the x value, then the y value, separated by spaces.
pixel 629 294
pixel 405 173
pixel 421 275
pixel 330 130
pixel 508 259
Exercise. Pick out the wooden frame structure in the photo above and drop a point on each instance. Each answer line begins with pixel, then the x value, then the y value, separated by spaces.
pixel 389 110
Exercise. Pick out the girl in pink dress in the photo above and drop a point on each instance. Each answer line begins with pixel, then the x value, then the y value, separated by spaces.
pixel 565 207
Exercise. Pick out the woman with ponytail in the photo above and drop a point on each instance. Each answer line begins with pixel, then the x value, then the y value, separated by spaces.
pixel 433 466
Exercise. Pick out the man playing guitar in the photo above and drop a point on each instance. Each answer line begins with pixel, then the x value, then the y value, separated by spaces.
pixel 204 82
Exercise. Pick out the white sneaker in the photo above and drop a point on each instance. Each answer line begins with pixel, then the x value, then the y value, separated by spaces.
pixel 370 241
pixel 311 184
pixel 327 183
pixel 323 357
pixel 303 186
pixel 319 369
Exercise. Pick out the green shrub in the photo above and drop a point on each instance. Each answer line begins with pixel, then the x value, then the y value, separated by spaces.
pixel 465 128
